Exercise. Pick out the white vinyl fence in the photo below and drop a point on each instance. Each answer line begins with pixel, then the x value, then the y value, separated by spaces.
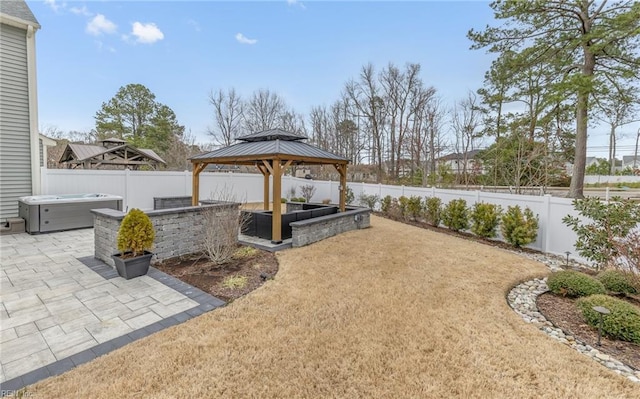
pixel 139 188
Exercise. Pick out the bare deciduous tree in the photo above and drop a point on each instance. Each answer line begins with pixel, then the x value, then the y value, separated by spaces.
pixel 263 111
pixel 227 110
pixel 465 121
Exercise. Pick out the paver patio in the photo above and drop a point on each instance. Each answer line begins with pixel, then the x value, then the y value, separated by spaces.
pixel 54 307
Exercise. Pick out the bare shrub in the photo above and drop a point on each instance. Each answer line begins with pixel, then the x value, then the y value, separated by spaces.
pixel 307 191
pixel 292 192
pixel 628 259
pixel 222 224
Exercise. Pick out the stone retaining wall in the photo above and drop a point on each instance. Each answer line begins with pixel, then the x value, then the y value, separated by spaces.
pixel 179 231
pixel 171 202
pixel 309 231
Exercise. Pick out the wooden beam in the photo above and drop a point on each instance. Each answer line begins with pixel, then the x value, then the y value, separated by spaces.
pixel 286 165
pixel 195 183
pixel 265 196
pixel 276 216
pixel 267 165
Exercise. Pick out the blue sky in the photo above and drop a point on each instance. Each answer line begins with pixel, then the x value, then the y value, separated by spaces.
pixel 304 51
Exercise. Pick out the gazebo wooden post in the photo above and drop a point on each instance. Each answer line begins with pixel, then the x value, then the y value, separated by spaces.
pixel 276 226
pixel 266 191
pixel 342 170
pixel 195 183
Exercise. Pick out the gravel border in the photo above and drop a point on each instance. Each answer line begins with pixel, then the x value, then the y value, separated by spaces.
pixel 522 299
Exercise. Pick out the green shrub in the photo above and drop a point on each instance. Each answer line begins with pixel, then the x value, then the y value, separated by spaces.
pixel 609 221
pixel 455 215
pixel 369 201
pixel 233 282
pixel 283 200
pixel 617 281
pixel 349 196
pixel 485 219
pixel 574 284
pixel 403 206
pixel 414 207
pixel 622 323
pixel 433 210
pixel 298 199
pixel 519 228
pixel 385 204
pixel 136 233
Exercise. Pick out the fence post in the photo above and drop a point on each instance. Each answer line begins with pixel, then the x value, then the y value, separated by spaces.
pixel 186 183
pixel 403 190
pixel 126 189
pixel 546 220
pixel 44 181
pixel 380 190
pixel 477 196
pixel 331 190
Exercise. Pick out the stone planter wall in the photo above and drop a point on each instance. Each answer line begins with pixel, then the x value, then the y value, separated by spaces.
pixel 179 231
pixel 309 231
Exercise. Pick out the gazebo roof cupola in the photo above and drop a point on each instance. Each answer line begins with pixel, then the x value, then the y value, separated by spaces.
pixel 270 135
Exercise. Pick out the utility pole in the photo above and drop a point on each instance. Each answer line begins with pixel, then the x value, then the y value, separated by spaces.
pixel 635 156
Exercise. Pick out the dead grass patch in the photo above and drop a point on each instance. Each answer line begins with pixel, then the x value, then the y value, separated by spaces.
pixel 387 312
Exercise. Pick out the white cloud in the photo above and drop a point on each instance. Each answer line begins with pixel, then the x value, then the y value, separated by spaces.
pixel 99 25
pixel 146 33
pixel 100 45
pixel 54 5
pixel 245 40
pixel 81 11
pixel 294 3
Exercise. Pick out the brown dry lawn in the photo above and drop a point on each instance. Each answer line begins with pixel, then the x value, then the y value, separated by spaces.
pixel 390 311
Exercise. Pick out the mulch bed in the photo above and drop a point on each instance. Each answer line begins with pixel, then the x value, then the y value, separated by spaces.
pixel 205 275
pixel 564 313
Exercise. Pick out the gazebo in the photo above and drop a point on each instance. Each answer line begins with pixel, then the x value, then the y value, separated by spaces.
pixel 272 152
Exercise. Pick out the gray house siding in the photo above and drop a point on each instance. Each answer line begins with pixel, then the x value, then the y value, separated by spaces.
pixel 15 155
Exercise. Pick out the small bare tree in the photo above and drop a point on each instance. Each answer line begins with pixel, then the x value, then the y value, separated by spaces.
pixel 628 259
pixel 307 191
pixel 222 224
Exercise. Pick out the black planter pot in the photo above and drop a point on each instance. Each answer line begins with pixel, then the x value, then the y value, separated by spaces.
pixel 132 267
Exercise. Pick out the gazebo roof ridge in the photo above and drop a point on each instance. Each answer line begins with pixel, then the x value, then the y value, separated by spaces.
pixel 271 135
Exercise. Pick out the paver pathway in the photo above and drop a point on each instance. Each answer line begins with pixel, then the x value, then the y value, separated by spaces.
pixel 54 305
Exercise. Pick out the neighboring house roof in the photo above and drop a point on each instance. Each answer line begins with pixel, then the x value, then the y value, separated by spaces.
pixel 628 159
pixel 47 140
pixel 459 156
pixel 590 160
pixel 121 155
pixel 18 9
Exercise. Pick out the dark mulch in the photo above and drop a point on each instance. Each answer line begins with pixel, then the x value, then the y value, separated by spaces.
pixel 460 234
pixel 564 313
pixel 201 273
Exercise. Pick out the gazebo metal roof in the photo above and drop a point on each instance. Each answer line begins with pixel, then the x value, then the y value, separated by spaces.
pixel 249 152
pixel 271 151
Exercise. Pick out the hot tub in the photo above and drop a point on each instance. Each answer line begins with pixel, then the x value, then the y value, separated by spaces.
pixel 46 213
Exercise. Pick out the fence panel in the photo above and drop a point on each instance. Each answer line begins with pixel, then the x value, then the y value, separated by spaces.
pixel 138 189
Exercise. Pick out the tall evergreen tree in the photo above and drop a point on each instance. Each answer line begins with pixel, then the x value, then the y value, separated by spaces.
pixel 584 42
pixel 134 115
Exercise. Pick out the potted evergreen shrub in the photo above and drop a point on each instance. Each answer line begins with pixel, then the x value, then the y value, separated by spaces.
pixel 135 239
